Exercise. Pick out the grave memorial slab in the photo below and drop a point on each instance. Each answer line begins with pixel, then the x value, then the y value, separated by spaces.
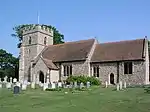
pixel 75 85
pixel 88 84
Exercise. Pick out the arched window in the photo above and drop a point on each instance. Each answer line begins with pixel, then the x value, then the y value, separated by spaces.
pixel 45 39
pixel 29 40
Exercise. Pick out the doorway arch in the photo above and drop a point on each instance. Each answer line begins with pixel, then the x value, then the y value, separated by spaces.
pixel 41 77
pixel 112 78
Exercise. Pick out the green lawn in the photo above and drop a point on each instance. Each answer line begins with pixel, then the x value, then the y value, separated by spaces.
pixel 95 100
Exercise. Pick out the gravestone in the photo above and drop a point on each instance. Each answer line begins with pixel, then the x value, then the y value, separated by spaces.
pixel 25 82
pixel 14 80
pixel 28 83
pixel 59 84
pixel 53 85
pixel 45 86
pixel 117 87
pixel 24 86
pixel 81 85
pixel 129 84
pixel 120 85
pixel 75 85
pixel 10 79
pixel 71 85
pixel 106 84
pixel 16 89
pixel 18 84
pixel 41 84
pixel 8 85
pixel 125 85
pixel 33 85
pixel 88 84
pixel 5 79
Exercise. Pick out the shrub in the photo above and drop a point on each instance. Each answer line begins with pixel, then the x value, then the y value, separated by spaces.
pixel 83 79
pixel 93 80
pixel 147 89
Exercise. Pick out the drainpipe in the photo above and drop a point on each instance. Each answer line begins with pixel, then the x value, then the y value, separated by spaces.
pixel 117 72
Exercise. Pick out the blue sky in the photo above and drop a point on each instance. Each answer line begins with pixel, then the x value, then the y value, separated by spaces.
pixel 108 20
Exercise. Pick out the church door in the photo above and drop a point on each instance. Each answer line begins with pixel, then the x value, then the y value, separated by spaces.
pixel 41 77
pixel 112 78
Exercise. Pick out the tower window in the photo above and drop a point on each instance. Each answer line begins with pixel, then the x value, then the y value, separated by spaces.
pixel 29 40
pixel 45 39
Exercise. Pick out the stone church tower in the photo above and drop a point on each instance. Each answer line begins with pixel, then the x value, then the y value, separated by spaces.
pixel 35 39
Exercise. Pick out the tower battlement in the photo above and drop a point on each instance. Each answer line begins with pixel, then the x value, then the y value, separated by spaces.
pixel 37 28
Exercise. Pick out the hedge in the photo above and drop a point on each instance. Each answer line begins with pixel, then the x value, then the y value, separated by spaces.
pixel 83 79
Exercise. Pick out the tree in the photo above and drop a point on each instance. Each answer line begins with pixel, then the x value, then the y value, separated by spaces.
pixel 58 37
pixel 8 64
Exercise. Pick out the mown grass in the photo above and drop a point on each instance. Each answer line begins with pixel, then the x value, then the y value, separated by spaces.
pixel 95 100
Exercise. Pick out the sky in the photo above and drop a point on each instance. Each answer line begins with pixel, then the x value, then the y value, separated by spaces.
pixel 107 20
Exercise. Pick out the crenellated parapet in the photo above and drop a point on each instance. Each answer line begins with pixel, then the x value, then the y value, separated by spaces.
pixel 37 28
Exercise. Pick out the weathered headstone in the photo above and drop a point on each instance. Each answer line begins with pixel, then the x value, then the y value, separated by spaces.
pixel 28 83
pixel 33 85
pixel 8 85
pixel 117 87
pixel 41 84
pixel 25 82
pixel 125 85
pixel 71 85
pixel 14 80
pixel 5 79
pixel 129 84
pixel 18 84
pixel 10 79
pixel 106 84
pixel 59 84
pixel 16 89
pixel 24 86
pixel 53 85
pixel 75 85
pixel 88 84
pixel 45 86
pixel 120 85
pixel 81 85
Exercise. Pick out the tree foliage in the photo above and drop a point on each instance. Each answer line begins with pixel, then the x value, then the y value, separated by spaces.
pixel 8 64
pixel 58 38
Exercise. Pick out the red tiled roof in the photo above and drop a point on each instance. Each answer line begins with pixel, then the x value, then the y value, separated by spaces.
pixel 116 51
pixel 70 51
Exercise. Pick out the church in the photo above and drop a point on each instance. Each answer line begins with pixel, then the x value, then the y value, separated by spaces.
pixel 112 62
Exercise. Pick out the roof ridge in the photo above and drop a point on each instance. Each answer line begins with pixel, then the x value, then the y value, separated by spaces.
pixel 122 41
pixel 78 41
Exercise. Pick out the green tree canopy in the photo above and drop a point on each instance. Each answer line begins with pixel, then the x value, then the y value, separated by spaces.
pixel 58 37
pixel 8 64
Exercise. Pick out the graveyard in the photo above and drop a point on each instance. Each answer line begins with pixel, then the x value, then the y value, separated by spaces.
pixel 30 97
